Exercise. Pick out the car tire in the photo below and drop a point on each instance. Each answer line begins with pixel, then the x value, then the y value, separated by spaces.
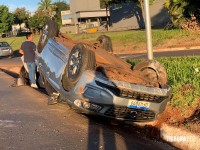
pixel 105 43
pixel 153 71
pixel 24 75
pixel 80 59
pixel 50 30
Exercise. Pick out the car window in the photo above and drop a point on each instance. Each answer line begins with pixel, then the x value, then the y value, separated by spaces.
pixel 4 44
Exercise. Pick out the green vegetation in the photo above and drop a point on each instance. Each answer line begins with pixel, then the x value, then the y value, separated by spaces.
pixel 6 19
pixel 21 16
pixel 16 42
pixel 46 10
pixel 182 11
pixel 184 78
pixel 60 6
pixel 131 40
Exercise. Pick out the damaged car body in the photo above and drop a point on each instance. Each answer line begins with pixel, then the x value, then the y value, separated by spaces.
pixel 94 81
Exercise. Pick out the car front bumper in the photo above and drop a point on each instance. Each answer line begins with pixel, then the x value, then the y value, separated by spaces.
pixel 95 94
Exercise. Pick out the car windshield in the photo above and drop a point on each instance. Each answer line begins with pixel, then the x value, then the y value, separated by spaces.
pixel 4 44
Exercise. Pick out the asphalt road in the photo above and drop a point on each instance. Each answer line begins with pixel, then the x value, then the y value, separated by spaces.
pixel 27 122
pixel 162 54
pixel 10 62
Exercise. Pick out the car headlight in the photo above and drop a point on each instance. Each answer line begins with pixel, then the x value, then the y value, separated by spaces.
pixel 87 105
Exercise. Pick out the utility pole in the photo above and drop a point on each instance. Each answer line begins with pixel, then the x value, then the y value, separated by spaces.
pixel 107 20
pixel 148 30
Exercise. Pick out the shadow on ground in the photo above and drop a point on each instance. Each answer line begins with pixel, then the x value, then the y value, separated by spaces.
pixel 11 73
pixel 16 54
pixel 106 130
pixel 102 132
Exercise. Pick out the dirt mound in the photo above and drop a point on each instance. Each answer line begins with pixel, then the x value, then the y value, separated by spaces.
pixel 173 116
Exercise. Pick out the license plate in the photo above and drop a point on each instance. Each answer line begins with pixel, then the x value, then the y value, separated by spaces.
pixel 138 104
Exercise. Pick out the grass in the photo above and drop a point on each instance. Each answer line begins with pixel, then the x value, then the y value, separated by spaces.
pixel 137 37
pixel 127 40
pixel 184 78
pixel 16 42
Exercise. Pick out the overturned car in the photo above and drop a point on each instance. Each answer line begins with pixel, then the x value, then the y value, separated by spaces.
pixel 94 81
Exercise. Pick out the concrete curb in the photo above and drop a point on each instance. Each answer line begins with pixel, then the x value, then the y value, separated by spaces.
pixel 160 50
pixel 180 138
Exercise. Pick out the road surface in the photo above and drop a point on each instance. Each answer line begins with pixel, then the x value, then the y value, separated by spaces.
pixel 8 62
pixel 162 54
pixel 27 122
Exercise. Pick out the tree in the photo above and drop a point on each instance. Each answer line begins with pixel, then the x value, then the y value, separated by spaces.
pixel 21 16
pixel 183 11
pixel 6 19
pixel 46 7
pixel 37 21
pixel 176 11
pixel 106 4
pixel 60 6
pixel 141 2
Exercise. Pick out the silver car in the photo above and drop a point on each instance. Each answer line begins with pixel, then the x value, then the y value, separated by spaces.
pixel 5 49
pixel 95 81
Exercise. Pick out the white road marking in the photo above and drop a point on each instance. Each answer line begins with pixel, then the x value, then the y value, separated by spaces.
pixel 131 56
pixel 9 123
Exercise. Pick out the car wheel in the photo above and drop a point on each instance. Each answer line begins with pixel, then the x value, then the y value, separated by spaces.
pixel 50 30
pixel 80 59
pixel 153 71
pixel 24 75
pixel 105 43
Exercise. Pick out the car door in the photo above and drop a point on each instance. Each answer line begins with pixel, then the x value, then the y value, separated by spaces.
pixel 52 61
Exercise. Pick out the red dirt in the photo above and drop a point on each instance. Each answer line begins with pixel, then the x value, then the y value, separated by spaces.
pixel 171 115
pixel 175 117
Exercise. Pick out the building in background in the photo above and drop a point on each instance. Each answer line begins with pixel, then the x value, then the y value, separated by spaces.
pixel 66 17
pixel 85 14
pixel 123 15
pixel 16 29
pixel 126 15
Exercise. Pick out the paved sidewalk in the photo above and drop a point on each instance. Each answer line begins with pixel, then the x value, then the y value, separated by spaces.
pixel 160 50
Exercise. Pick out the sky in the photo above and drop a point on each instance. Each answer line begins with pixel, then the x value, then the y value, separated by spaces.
pixel 30 5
